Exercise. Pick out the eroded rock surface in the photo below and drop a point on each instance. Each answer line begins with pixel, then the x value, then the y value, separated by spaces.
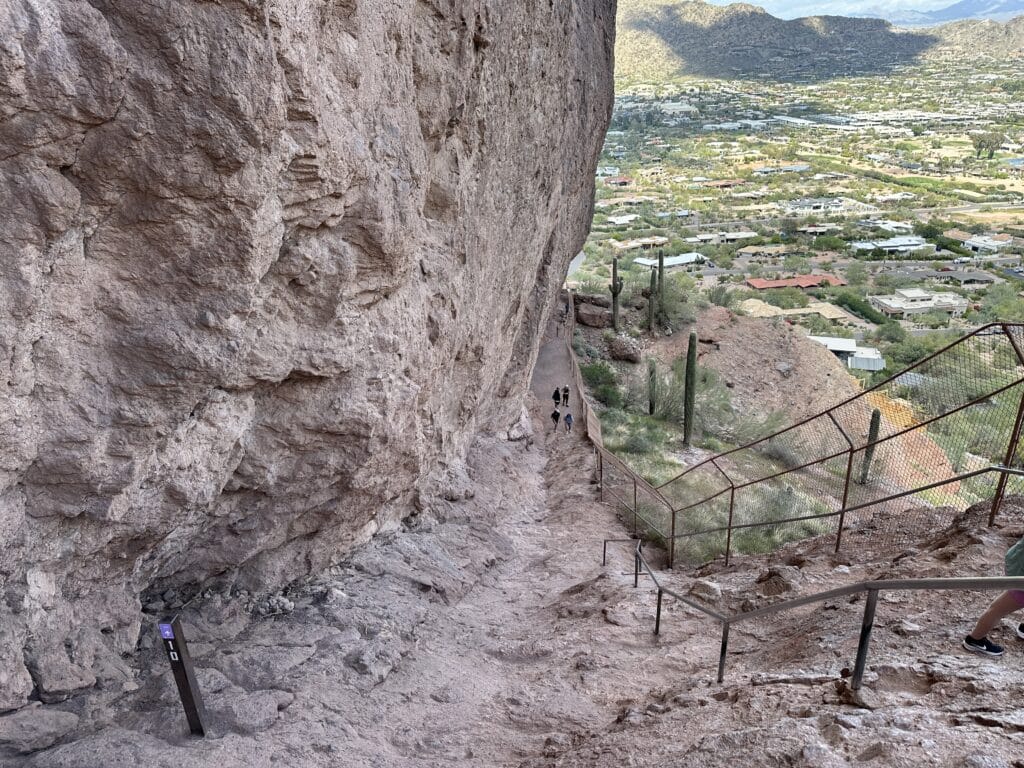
pixel 267 268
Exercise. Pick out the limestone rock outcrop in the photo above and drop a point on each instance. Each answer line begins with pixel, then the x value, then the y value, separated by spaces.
pixel 266 267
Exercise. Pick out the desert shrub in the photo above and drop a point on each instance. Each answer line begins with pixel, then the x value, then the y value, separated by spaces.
pixel 598 374
pixel 609 395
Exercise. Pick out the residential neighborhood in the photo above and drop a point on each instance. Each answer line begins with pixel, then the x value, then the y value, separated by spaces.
pixel 839 207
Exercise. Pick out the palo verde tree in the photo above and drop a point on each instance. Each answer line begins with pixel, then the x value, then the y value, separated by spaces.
pixel 616 290
pixel 869 452
pixel 690 393
pixel 652 385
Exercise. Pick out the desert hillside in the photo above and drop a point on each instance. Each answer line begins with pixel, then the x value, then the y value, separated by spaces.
pixel 662 39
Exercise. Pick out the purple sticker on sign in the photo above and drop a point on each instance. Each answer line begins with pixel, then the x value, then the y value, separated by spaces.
pixel 166 631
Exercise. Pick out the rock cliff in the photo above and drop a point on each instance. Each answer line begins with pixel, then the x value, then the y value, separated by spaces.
pixel 267 267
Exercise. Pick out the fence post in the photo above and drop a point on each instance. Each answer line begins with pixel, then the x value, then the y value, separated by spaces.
pixel 657 615
pixel 672 540
pixel 635 508
pixel 846 497
pixel 728 535
pixel 600 475
pixel 636 569
pixel 1011 452
pixel 865 638
pixel 723 651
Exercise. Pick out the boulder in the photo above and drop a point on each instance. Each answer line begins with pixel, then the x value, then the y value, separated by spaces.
pixel 593 316
pixel 597 299
pixel 705 590
pixel 625 349
pixel 779 579
pixel 34 728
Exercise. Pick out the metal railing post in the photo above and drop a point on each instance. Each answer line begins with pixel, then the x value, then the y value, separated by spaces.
pixel 865 638
pixel 672 540
pixel 728 535
pixel 600 474
pixel 1011 452
pixel 846 498
pixel 636 570
pixel 723 651
pixel 635 508
pixel 657 615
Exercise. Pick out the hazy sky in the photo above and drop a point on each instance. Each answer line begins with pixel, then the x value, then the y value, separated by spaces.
pixel 789 9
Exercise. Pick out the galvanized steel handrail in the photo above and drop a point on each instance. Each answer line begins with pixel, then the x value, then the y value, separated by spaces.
pixel 872 587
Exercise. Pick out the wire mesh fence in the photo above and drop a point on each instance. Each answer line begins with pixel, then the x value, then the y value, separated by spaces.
pixel 889 464
pixel 641 508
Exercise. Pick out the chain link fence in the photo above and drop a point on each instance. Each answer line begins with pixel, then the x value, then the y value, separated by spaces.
pixel 890 464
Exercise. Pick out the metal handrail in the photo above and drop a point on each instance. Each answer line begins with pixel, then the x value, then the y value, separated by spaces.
pixel 873 587
pixel 977 332
pixel 1002 470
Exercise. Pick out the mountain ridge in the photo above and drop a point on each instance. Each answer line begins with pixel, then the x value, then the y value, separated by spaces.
pixel 661 39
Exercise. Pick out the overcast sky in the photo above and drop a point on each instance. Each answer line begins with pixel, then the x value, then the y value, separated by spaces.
pixel 789 9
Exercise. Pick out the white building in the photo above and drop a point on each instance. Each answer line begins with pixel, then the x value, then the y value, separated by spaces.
pixel 905 244
pixel 640 243
pixel 989 243
pixel 908 302
pixel 888 225
pixel 621 221
pixel 855 357
pixel 808 206
pixel 681 260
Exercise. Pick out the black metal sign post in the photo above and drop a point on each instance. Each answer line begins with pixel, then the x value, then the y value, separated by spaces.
pixel 173 638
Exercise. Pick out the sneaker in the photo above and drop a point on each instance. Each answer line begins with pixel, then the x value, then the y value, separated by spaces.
pixel 1020 631
pixel 983 646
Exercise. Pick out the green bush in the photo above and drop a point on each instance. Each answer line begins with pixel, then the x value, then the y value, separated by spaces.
pixel 859 306
pixel 608 394
pixel 598 374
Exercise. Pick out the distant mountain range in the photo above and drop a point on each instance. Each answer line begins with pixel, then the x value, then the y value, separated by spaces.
pixel 997 10
pixel 660 39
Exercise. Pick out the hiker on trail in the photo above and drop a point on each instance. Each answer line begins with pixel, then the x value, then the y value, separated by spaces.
pixel 1002 606
pixel 557 397
pixel 568 422
pixel 565 395
pixel 556 416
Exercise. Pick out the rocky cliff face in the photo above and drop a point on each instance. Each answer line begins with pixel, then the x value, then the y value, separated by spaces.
pixel 267 266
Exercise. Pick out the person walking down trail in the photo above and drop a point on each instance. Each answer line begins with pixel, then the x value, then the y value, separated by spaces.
pixel 568 422
pixel 565 395
pixel 1002 606
pixel 557 397
pixel 556 416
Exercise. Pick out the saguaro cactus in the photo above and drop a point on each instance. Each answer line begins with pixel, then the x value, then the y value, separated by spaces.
pixel 869 452
pixel 616 290
pixel 690 395
pixel 651 301
pixel 661 282
pixel 652 385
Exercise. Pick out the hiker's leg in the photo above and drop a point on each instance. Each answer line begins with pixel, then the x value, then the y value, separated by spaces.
pixel 1002 606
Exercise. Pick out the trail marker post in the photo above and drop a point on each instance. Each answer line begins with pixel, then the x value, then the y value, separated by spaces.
pixel 173 639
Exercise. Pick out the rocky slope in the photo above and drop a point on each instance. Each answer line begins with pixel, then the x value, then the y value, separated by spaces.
pixel 661 39
pixel 267 269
